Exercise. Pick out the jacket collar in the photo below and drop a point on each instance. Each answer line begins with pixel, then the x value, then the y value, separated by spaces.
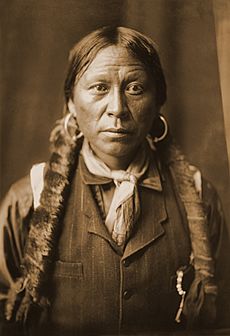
pixel 153 212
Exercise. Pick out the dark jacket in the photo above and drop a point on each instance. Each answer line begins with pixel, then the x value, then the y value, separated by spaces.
pixel 95 287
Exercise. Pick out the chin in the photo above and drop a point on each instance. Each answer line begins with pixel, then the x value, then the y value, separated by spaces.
pixel 119 149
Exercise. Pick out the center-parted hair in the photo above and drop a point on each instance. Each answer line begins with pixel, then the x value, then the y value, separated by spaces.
pixel 137 44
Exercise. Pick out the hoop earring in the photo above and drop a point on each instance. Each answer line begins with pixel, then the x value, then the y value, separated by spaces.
pixel 66 128
pixel 163 120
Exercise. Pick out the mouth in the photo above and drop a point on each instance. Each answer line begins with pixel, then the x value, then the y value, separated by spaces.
pixel 116 132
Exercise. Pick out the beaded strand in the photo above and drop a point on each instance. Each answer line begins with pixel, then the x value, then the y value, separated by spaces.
pixel 181 292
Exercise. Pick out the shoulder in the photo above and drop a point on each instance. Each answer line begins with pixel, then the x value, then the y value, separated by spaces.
pixel 213 210
pixel 26 192
pixel 209 195
pixel 19 197
pixel 205 189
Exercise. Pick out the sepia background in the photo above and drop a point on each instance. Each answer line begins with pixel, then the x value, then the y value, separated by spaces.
pixel 193 38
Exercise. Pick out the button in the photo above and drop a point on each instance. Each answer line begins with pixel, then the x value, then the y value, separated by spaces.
pixel 127 294
pixel 126 262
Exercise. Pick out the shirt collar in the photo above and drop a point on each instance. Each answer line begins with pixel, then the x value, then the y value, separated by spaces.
pixel 152 178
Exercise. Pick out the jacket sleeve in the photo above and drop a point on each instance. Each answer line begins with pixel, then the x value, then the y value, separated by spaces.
pixel 220 244
pixel 215 217
pixel 15 212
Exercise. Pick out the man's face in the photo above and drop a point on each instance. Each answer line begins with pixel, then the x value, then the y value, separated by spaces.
pixel 115 104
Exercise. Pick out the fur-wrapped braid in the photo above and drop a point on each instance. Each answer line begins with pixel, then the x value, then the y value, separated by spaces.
pixel 199 305
pixel 45 224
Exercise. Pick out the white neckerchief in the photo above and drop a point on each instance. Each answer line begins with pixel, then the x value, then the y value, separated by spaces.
pixel 125 207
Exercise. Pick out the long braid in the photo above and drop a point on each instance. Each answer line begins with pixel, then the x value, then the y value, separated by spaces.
pixel 199 302
pixel 45 223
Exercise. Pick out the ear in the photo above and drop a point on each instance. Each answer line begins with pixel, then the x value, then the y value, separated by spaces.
pixel 156 112
pixel 158 109
pixel 71 107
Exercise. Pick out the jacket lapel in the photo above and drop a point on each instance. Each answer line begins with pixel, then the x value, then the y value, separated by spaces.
pixel 93 218
pixel 149 227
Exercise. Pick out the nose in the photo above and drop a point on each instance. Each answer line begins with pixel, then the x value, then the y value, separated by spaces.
pixel 116 104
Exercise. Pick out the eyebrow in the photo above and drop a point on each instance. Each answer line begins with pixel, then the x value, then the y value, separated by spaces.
pixel 103 75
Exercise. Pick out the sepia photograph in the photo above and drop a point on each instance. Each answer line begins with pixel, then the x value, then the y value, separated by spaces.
pixel 115 167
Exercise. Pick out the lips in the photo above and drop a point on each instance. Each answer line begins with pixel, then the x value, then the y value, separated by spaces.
pixel 117 130
pixel 116 133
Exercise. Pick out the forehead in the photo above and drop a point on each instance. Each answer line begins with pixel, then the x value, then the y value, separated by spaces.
pixel 111 53
pixel 114 58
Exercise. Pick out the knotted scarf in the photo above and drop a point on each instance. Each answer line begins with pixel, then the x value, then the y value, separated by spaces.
pixel 125 206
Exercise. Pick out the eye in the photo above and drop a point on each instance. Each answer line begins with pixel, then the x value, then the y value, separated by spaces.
pixel 135 89
pixel 99 88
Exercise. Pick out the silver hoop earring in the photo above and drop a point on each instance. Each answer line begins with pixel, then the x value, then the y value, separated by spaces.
pixel 67 126
pixel 160 138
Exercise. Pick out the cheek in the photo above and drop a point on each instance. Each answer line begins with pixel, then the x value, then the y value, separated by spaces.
pixel 88 110
pixel 82 112
pixel 144 111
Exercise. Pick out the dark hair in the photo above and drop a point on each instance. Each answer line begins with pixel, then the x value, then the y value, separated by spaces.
pixel 140 46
